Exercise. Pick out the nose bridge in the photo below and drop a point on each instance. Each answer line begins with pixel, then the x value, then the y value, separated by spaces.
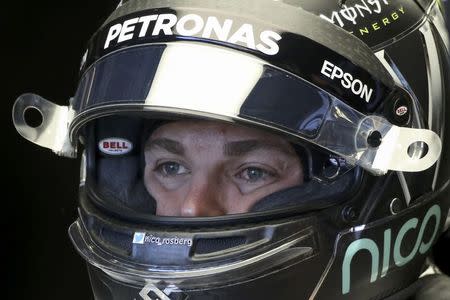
pixel 203 197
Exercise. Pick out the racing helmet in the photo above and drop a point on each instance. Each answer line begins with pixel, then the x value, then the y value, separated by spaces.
pixel 360 90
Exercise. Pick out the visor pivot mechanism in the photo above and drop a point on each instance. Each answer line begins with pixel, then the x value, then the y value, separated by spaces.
pixel 388 147
pixel 44 123
pixel 374 139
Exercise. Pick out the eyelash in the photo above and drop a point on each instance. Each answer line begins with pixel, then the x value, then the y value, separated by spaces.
pixel 266 174
pixel 160 168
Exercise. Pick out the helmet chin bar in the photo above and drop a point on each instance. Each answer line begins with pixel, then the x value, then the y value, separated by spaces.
pixel 269 245
pixel 368 141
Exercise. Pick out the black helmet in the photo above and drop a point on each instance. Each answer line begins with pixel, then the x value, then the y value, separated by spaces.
pixel 367 122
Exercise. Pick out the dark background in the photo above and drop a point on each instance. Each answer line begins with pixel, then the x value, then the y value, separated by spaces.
pixel 44 42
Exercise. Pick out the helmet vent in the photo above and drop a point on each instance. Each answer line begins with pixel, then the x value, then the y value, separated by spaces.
pixel 206 246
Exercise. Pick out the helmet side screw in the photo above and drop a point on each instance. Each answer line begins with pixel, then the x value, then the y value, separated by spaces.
pixel 374 139
pixel 395 206
pixel 349 214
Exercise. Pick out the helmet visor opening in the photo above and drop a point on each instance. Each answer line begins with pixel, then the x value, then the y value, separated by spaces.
pixel 206 168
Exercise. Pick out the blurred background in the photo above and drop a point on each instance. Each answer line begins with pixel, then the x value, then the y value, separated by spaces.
pixel 44 42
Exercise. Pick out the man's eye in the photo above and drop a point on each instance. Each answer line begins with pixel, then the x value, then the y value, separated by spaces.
pixel 171 169
pixel 254 174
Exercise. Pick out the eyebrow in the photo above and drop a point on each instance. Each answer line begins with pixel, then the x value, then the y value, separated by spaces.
pixel 239 148
pixel 166 144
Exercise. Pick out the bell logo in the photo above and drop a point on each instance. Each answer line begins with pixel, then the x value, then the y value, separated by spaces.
pixel 401 111
pixel 370 245
pixel 115 146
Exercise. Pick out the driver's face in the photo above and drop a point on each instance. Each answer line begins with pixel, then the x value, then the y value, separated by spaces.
pixel 204 168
